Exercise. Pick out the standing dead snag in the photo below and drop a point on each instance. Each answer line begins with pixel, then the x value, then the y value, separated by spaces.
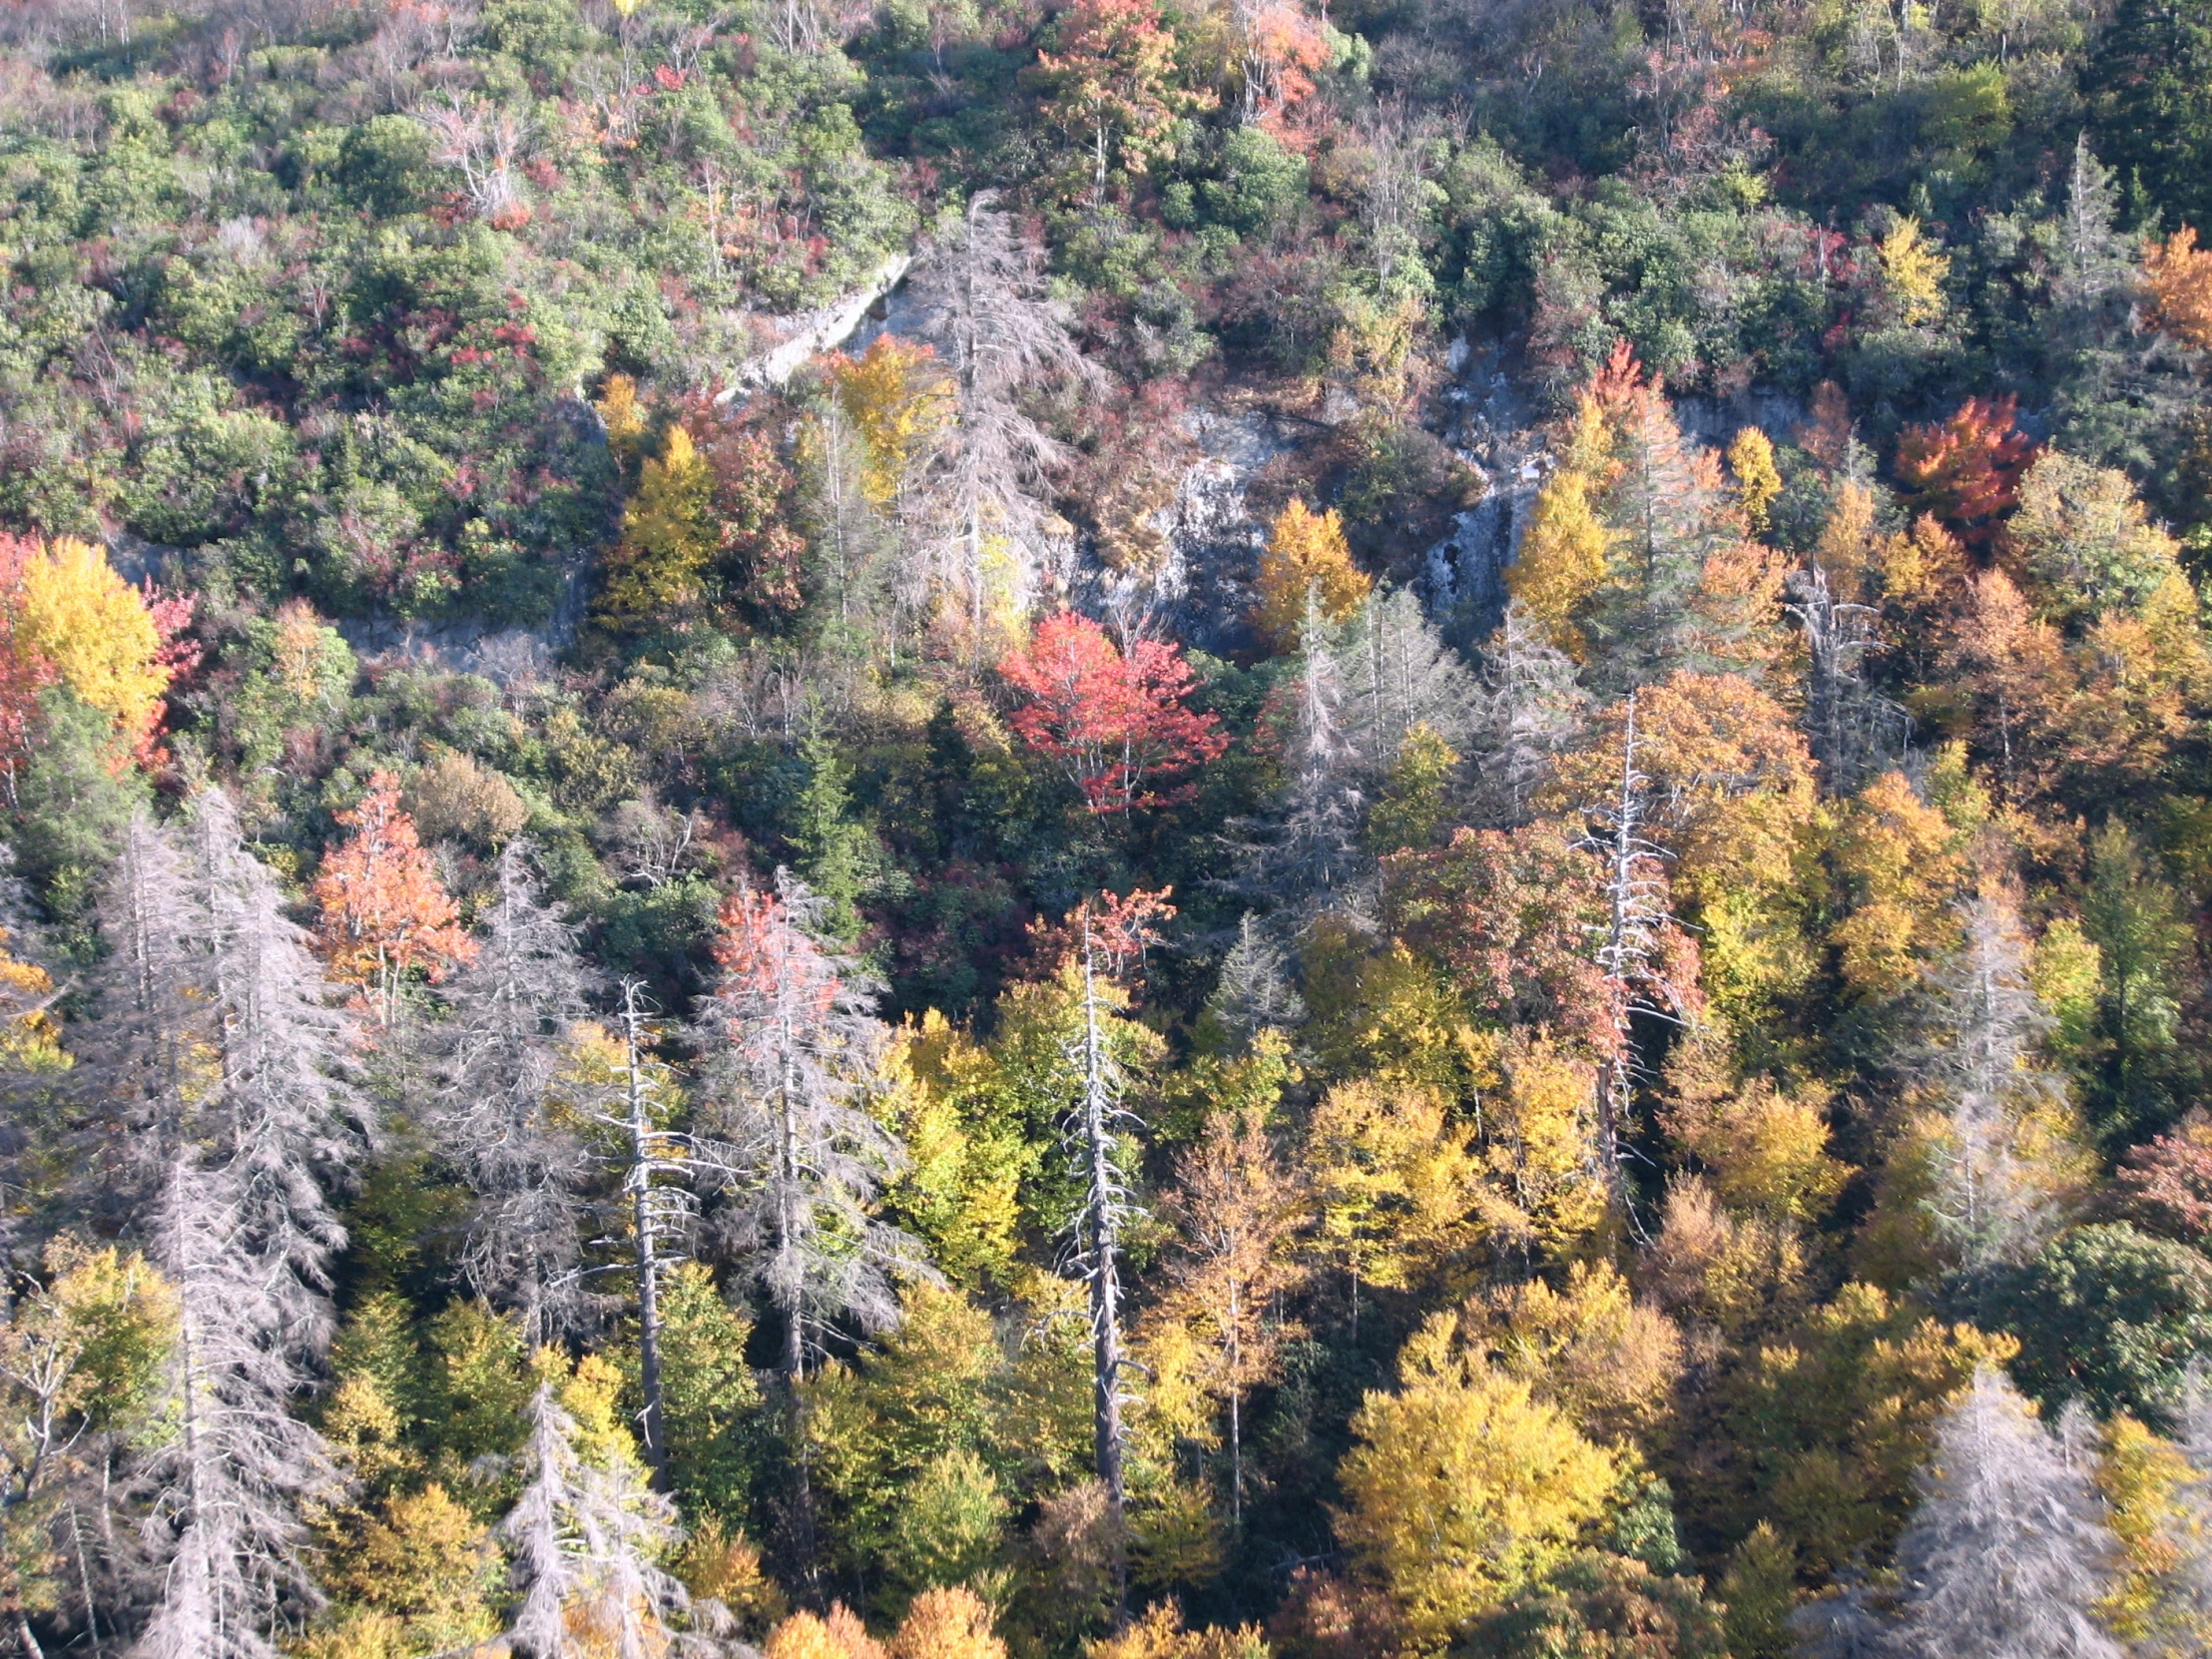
pixel 1633 957
pixel 499 1055
pixel 1103 937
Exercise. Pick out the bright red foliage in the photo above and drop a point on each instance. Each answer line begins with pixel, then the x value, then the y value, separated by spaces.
pixel 1115 722
pixel 24 670
pixel 1966 471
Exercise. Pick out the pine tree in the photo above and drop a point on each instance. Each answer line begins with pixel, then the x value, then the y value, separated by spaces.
pixel 2008 1553
pixel 499 1054
pixel 1995 1187
pixel 1253 992
pixel 1527 711
pixel 1304 848
pixel 1398 674
pixel 222 1057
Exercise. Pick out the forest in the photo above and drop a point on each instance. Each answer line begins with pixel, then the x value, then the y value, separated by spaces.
pixel 1105 829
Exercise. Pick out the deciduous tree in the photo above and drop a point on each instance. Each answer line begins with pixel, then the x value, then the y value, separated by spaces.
pixel 1307 562
pixel 1119 722
pixel 385 916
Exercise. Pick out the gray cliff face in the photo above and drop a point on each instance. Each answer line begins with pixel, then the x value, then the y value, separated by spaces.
pixel 1200 590
pixel 1494 429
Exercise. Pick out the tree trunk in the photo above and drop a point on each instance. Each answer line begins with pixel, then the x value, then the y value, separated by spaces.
pixel 648 1249
pixel 1104 1246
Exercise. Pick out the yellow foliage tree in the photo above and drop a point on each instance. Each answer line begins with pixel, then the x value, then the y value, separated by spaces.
pixel 668 539
pixel 74 613
pixel 1914 267
pixel 1758 479
pixel 1305 555
pixel 1903 863
pixel 421 1567
pixel 1541 1143
pixel 1728 1271
pixel 30 1035
pixel 1609 1361
pixel 621 414
pixel 1562 559
pixel 838 1636
pixel 1396 1187
pixel 950 1623
pixel 897 399
pixel 2144 1478
pixel 1765 1148
pixel 1465 1485
pixel 1160 1635
pixel 959 1187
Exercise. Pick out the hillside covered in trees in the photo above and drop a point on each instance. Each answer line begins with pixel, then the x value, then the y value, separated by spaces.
pixel 1105 829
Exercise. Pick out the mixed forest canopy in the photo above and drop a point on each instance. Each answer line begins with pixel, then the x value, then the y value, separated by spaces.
pixel 1105 829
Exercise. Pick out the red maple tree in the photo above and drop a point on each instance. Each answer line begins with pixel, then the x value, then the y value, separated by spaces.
pixel 385 914
pixel 24 670
pixel 1966 470
pixel 1117 722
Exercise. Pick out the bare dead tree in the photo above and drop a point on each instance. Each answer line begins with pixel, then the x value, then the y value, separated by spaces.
pixel 1529 710
pixel 485 141
pixel 494 1119
pixel 2009 1553
pixel 586 1535
pixel 1001 339
pixel 788 1043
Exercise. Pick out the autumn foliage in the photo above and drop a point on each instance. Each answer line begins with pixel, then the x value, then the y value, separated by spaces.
pixel 2179 276
pixel 1307 560
pixel 1119 723
pixel 67 618
pixel 385 913
pixel 1968 470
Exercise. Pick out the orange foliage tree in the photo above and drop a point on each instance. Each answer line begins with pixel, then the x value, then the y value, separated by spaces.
pixel 1117 722
pixel 1112 79
pixel 1966 470
pixel 1279 50
pixel 2179 276
pixel 385 913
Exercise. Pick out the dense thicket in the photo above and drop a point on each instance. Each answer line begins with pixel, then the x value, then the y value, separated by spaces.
pixel 1144 828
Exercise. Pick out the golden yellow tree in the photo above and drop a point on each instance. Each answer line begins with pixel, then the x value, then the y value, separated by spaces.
pixel 1395 1185
pixel 1465 1485
pixel 947 1623
pixel 657 572
pixel 1562 559
pixel 1306 554
pixel 897 397
pixel 1758 479
pixel 1607 1360
pixel 1912 267
pixel 837 1636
